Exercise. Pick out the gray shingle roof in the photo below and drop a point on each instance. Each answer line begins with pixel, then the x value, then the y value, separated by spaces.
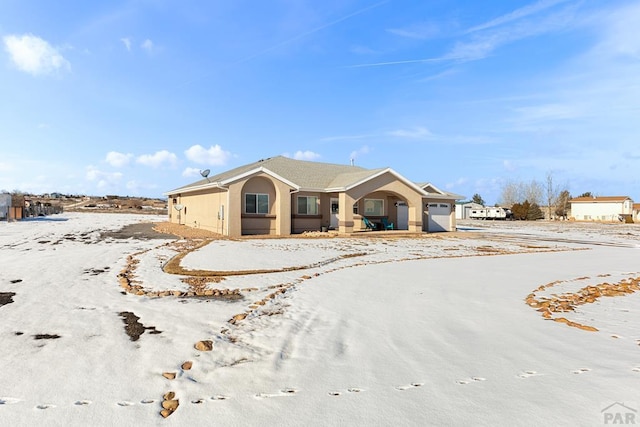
pixel 304 174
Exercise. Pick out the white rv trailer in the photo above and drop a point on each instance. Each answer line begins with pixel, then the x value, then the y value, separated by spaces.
pixel 491 213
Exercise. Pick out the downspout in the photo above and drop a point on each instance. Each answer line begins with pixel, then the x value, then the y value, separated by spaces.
pixel 225 232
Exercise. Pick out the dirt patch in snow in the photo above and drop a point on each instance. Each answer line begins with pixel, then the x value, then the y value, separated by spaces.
pixel 133 328
pixel 6 298
pixel 140 230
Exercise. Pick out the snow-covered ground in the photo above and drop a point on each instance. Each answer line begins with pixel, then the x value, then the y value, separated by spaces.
pixel 345 331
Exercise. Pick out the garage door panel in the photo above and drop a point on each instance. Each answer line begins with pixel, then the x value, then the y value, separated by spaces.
pixel 439 216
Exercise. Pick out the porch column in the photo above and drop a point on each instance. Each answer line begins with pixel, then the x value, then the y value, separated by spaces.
pixel 233 214
pixel 345 214
pixel 416 209
pixel 283 210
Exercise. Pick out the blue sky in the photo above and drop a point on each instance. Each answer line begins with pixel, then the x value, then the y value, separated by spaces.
pixel 136 97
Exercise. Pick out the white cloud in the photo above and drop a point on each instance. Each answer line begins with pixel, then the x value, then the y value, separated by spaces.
pixel 5 167
pixel 306 155
pixel 621 33
pixel 362 150
pixel 191 172
pixel 517 14
pixel 118 160
pixel 457 183
pixel 34 55
pixel 547 112
pixel 158 159
pixel 417 31
pixel 482 40
pixel 127 43
pixel 136 187
pixel 363 50
pixel 102 179
pixel 213 155
pixel 509 166
pixel 483 44
pixel 148 45
pixel 415 133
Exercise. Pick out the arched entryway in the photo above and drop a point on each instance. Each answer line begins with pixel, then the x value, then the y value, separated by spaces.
pixel 259 213
pixel 385 209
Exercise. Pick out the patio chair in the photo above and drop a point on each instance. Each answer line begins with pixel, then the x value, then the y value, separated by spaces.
pixel 386 224
pixel 368 224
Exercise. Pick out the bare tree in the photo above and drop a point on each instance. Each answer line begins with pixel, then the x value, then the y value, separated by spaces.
pixel 562 204
pixel 552 193
pixel 533 192
pixel 511 193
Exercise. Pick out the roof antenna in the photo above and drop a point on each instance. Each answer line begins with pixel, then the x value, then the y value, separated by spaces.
pixel 205 174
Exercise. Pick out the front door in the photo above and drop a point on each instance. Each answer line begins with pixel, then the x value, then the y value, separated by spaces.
pixel 402 216
pixel 333 218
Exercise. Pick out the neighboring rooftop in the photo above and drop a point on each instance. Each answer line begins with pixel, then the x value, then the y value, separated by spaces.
pixel 600 199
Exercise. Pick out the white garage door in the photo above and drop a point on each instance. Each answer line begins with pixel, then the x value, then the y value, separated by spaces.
pixel 439 217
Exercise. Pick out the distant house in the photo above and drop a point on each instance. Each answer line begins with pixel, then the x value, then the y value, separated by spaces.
pixel 5 202
pixel 282 196
pixel 636 212
pixel 604 208
pixel 11 206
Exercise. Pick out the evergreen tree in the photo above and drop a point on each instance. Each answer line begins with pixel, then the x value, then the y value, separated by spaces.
pixel 534 212
pixel 477 199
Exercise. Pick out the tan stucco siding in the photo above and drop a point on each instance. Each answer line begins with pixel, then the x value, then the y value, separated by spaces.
pixel 258 223
pixel 309 222
pixel 391 187
pixel 302 224
pixel 278 219
pixel 259 185
pixel 390 209
pixel 200 209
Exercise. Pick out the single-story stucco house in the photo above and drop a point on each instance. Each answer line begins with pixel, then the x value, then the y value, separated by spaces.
pixel 282 196
pixel 601 208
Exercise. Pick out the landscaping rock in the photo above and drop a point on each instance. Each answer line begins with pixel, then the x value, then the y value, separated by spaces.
pixel 205 345
pixel 169 375
pixel 171 405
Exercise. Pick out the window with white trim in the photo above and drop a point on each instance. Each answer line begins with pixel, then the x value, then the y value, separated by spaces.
pixel 307 205
pixel 374 207
pixel 256 203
